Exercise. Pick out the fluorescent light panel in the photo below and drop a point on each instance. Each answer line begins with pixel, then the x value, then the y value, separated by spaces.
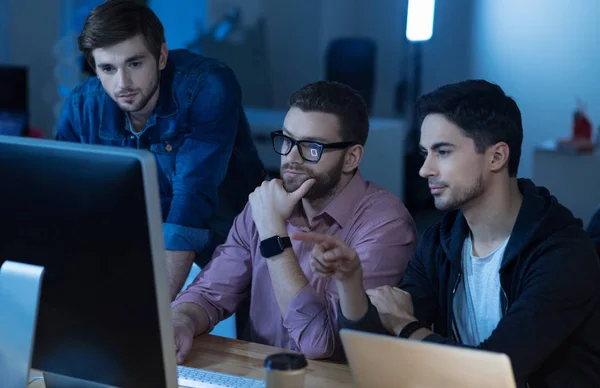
pixel 419 21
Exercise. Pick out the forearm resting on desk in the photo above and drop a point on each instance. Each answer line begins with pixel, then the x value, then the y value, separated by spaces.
pixel 179 264
pixel 192 315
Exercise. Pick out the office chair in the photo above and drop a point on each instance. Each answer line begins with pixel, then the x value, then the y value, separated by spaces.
pixel 352 62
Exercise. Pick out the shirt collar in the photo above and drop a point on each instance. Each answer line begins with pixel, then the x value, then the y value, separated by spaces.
pixel 340 208
pixel 167 104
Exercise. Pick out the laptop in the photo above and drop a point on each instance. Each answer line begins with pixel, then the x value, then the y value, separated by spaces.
pixel 385 361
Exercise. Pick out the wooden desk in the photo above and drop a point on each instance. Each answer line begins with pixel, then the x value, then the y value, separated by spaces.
pixel 226 355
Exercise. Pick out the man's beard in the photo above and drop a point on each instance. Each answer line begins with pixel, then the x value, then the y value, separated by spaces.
pixel 325 185
pixel 462 197
pixel 145 97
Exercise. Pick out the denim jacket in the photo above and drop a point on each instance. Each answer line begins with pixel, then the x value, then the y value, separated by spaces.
pixel 199 134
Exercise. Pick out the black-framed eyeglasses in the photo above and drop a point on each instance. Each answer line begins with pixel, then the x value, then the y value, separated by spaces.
pixel 309 150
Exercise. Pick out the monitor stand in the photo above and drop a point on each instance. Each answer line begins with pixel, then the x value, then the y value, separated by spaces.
pixel 20 286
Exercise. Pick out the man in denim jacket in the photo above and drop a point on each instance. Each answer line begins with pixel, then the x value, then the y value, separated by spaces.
pixel 184 108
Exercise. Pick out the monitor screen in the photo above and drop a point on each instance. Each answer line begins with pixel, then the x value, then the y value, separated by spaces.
pixel 13 89
pixel 12 123
pixel 13 100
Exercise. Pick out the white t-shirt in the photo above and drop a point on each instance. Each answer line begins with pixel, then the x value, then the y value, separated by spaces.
pixel 477 306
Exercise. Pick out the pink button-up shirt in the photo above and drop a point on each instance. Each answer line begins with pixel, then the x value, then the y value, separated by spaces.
pixel 370 219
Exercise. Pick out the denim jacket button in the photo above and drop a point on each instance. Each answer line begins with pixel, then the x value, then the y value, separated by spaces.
pixel 169 147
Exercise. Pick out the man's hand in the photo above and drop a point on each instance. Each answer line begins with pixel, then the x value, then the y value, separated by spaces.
pixel 272 205
pixel 183 329
pixel 394 306
pixel 332 257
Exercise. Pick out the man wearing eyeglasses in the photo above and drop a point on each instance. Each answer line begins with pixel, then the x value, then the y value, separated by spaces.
pixel 320 190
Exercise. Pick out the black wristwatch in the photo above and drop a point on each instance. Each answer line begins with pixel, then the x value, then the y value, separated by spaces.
pixel 409 329
pixel 275 245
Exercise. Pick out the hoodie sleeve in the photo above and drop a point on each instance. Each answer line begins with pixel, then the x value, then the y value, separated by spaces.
pixel 416 280
pixel 593 231
pixel 559 291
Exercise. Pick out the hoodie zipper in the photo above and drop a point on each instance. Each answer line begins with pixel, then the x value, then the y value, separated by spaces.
pixel 455 332
pixel 505 297
pixel 456 284
pixel 503 293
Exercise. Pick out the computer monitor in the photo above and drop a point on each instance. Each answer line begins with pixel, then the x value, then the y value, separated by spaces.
pixel 90 216
pixel 14 112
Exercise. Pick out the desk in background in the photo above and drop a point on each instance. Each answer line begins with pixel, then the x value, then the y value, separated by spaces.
pixel 241 358
pixel 383 162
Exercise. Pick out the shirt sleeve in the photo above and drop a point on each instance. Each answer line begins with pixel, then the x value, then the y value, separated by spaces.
pixel 202 161
pixel 225 281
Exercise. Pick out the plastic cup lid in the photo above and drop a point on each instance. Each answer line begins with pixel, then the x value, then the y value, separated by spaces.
pixel 285 361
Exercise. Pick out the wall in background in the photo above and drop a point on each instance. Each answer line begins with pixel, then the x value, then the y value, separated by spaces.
pixel 300 32
pixel 251 10
pixel 294 31
pixel 545 57
pixel 4 32
pixel 182 19
pixel 385 22
pixel 447 56
pixel 31 41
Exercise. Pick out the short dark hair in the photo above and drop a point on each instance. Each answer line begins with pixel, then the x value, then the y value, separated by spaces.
pixel 115 21
pixel 340 100
pixel 484 113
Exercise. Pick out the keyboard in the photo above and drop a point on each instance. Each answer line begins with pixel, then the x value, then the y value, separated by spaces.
pixel 198 378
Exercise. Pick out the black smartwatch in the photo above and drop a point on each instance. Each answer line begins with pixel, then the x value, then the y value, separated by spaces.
pixel 411 328
pixel 275 245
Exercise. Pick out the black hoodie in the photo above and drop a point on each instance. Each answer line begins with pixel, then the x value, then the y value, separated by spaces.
pixel 550 278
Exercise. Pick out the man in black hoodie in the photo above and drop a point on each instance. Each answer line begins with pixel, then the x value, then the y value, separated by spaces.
pixel 507 270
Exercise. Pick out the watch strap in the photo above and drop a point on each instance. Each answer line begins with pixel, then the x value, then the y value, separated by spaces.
pixel 409 329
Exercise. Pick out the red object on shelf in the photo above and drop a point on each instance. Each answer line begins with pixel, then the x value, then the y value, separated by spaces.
pixel 582 127
pixel 581 138
pixel 35 133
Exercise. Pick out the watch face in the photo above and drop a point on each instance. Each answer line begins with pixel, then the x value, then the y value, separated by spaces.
pixel 274 246
pixel 263 251
pixel 270 247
